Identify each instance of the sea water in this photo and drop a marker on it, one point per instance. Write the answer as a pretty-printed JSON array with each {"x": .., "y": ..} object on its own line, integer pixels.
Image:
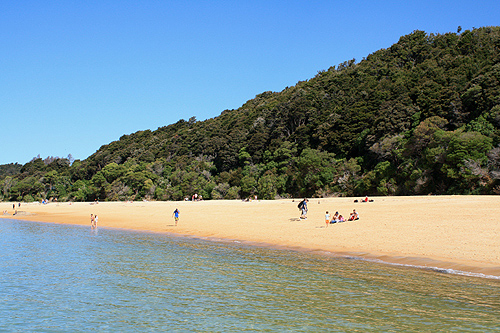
[{"x": 61, "y": 278}]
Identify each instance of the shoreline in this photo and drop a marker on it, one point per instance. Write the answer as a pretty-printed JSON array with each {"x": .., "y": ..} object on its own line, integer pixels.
[
  {"x": 414, "y": 262},
  {"x": 394, "y": 230}
]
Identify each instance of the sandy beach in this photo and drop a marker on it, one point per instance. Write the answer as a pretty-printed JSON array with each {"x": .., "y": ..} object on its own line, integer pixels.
[{"x": 451, "y": 232}]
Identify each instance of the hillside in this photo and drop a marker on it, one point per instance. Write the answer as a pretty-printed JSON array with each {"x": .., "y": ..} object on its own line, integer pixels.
[{"x": 420, "y": 117}]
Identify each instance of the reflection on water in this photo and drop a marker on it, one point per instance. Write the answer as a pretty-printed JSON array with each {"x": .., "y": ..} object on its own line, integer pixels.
[{"x": 65, "y": 278}]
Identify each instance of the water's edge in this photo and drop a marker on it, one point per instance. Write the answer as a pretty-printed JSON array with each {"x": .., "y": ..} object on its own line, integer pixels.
[{"x": 414, "y": 262}]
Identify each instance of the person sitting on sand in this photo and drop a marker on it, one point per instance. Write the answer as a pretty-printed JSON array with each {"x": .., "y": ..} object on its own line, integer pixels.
[
  {"x": 335, "y": 218},
  {"x": 354, "y": 216},
  {"x": 341, "y": 218}
]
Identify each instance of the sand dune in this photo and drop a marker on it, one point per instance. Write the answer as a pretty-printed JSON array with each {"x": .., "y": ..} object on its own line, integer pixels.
[{"x": 458, "y": 232}]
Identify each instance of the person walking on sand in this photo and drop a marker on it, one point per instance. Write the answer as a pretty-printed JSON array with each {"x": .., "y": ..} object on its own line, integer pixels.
[
  {"x": 303, "y": 208},
  {"x": 175, "y": 214},
  {"x": 327, "y": 219}
]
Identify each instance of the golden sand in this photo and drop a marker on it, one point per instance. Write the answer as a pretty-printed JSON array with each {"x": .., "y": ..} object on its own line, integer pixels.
[{"x": 458, "y": 232}]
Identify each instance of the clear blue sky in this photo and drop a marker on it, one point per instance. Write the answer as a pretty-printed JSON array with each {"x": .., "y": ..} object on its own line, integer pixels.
[{"x": 75, "y": 75}]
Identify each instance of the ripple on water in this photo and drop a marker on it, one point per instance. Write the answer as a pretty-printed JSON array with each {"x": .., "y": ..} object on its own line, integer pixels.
[{"x": 66, "y": 278}]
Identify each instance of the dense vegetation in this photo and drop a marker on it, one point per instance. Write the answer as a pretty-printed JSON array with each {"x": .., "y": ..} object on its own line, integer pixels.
[{"x": 420, "y": 117}]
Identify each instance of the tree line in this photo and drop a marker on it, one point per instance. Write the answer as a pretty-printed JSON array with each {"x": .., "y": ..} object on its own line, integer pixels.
[{"x": 420, "y": 117}]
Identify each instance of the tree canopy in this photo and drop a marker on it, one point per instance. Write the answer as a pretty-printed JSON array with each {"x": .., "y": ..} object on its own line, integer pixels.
[{"x": 420, "y": 117}]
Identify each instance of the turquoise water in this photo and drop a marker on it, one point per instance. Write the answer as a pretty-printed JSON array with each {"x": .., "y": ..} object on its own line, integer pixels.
[{"x": 60, "y": 278}]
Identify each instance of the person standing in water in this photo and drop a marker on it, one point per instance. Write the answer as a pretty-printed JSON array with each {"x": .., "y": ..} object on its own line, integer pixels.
[
  {"x": 175, "y": 214},
  {"x": 95, "y": 222},
  {"x": 91, "y": 221}
]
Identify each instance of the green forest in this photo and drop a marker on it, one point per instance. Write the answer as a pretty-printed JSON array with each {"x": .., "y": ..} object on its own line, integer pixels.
[{"x": 420, "y": 117}]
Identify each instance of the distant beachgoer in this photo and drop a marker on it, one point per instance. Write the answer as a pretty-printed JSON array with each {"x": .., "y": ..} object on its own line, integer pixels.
[
  {"x": 327, "y": 219},
  {"x": 175, "y": 214},
  {"x": 303, "y": 208},
  {"x": 95, "y": 221},
  {"x": 13, "y": 206},
  {"x": 91, "y": 221},
  {"x": 300, "y": 205},
  {"x": 341, "y": 218},
  {"x": 353, "y": 216},
  {"x": 335, "y": 218}
]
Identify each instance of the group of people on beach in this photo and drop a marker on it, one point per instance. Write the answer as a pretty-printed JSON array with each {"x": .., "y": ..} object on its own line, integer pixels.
[
  {"x": 337, "y": 218},
  {"x": 364, "y": 200},
  {"x": 93, "y": 221},
  {"x": 194, "y": 197}
]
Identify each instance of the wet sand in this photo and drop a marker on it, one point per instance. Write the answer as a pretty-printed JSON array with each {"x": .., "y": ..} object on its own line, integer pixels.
[{"x": 450, "y": 232}]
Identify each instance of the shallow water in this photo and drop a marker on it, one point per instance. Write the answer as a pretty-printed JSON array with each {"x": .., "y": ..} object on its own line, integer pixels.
[{"x": 67, "y": 278}]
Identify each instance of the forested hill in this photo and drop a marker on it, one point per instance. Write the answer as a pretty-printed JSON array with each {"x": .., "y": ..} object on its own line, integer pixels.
[{"x": 420, "y": 117}]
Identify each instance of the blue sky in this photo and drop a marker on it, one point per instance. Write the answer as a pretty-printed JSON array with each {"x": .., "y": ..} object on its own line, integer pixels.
[{"x": 75, "y": 75}]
